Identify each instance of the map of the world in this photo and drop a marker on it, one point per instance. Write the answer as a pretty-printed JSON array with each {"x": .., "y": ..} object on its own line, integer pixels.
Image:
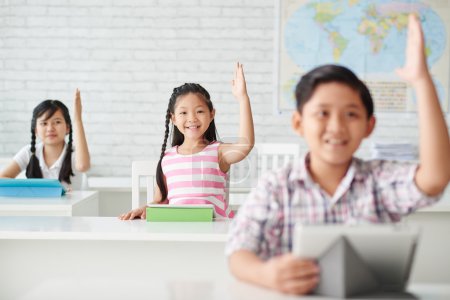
[{"x": 369, "y": 37}]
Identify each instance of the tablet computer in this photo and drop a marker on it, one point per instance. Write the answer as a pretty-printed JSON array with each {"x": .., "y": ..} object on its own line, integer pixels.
[{"x": 387, "y": 250}]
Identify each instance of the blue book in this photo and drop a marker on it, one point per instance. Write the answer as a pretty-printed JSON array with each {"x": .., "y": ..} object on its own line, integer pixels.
[{"x": 33, "y": 187}]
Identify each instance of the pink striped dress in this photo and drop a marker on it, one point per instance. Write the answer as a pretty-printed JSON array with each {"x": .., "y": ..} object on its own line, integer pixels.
[{"x": 196, "y": 179}]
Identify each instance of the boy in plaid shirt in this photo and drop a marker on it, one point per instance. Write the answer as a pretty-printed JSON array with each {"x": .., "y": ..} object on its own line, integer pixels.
[{"x": 334, "y": 114}]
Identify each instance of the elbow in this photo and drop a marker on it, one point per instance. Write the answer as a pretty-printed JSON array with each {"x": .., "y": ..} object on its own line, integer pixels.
[
  {"x": 436, "y": 188},
  {"x": 83, "y": 167},
  {"x": 249, "y": 146}
]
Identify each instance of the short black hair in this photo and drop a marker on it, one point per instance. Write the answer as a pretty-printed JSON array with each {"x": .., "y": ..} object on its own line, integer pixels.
[{"x": 331, "y": 73}]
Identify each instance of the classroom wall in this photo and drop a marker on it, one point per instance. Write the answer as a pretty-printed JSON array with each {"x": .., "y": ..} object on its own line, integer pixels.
[{"x": 127, "y": 56}]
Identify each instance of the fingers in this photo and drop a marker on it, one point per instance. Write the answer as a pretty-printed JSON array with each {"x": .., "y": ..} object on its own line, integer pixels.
[
  {"x": 301, "y": 277},
  {"x": 300, "y": 287},
  {"x": 135, "y": 213},
  {"x": 301, "y": 269},
  {"x": 125, "y": 216}
]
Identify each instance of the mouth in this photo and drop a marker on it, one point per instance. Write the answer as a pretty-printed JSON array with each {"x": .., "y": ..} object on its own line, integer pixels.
[
  {"x": 192, "y": 127},
  {"x": 336, "y": 142}
]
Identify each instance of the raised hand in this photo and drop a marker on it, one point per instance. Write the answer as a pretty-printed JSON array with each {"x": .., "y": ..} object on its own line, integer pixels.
[
  {"x": 238, "y": 85},
  {"x": 415, "y": 68},
  {"x": 77, "y": 108}
]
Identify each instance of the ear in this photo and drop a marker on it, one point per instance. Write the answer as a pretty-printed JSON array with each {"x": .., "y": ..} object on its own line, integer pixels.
[
  {"x": 297, "y": 122},
  {"x": 172, "y": 118},
  {"x": 213, "y": 114},
  {"x": 67, "y": 129},
  {"x": 370, "y": 126}
]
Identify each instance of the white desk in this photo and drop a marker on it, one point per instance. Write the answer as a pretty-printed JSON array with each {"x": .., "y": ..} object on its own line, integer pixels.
[
  {"x": 211, "y": 289},
  {"x": 78, "y": 257},
  {"x": 35, "y": 251},
  {"x": 75, "y": 203}
]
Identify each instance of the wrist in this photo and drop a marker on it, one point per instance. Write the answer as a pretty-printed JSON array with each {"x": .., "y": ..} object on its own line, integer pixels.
[
  {"x": 425, "y": 79},
  {"x": 243, "y": 98}
]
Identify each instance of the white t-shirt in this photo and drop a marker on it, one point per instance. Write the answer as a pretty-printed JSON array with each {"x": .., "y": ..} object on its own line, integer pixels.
[{"x": 22, "y": 158}]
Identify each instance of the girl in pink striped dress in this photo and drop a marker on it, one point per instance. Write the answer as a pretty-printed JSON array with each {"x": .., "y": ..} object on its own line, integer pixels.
[{"x": 194, "y": 170}]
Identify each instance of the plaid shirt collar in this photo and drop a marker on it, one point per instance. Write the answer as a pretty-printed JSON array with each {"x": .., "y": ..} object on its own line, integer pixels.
[{"x": 300, "y": 175}]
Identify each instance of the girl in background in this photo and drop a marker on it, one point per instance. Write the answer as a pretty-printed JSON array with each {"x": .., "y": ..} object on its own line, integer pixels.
[
  {"x": 194, "y": 170},
  {"x": 52, "y": 157}
]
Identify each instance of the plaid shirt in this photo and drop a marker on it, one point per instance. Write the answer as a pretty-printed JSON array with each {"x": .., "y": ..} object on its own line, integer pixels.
[{"x": 375, "y": 191}]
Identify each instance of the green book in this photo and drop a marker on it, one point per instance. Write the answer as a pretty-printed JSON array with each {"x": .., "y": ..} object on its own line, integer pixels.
[{"x": 180, "y": 213}]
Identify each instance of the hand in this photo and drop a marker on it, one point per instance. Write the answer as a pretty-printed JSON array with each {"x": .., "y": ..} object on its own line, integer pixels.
[
  {"x": 238, "y": 85},
  {"x": 291, "y": 275},
  {"x": 77, "y": 106},
  {"x": 415, "y": 68},
  {"x": 140, "y": 212}
]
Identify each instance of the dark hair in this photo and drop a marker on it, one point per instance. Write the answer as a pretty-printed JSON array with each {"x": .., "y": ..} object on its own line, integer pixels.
[
  {"x": 177, "y": 137},
  {"x": 331, "y": 73},
  {"x": 49, "y": 107}
]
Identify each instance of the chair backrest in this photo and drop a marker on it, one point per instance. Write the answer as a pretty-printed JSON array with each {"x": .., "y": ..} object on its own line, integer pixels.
[
  {"x": 264, "y": 157},
  {"x": 142, "y": 169},
  {"x": 274, "y": 156}
]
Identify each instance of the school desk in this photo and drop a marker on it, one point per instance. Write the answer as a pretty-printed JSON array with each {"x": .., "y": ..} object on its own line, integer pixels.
[
  {"x": 75, "y": 203},
  {"x": 189, "y": 289},
  {"x": 38, "y": 250}
]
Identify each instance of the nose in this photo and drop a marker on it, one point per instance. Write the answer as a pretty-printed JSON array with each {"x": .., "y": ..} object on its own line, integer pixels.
[
  {"x": 192, "y": 118},
  {"x": 336, "y": 123},
  {"x": 50, "y": 126}
]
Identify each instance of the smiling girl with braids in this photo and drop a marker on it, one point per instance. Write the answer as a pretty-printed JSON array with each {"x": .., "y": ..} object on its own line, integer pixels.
[
  {"x": 194, "y": 170},
  {"x": 52, "y": 157}
]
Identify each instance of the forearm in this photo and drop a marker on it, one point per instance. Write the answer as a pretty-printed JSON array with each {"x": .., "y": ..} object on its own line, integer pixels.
[
  {"x": 247, "y": 266},
  {"x": 434, "y": 146},
  {"x": 11, "y": 171},
  {"x": 82, "y": 157},
  {"x": 246, "y": 129}
]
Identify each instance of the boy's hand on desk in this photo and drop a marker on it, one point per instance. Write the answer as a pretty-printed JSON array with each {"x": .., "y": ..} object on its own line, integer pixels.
[
  {"x": 290, "y": 274},
  {"x": 138, "y": 213}
]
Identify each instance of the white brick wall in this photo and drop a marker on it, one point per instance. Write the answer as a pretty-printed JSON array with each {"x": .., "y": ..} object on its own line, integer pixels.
[{"x": 126, "y": 56}]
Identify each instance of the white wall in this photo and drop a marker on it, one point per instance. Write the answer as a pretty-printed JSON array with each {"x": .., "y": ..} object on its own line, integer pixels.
[{"x": 126, "y": 57}]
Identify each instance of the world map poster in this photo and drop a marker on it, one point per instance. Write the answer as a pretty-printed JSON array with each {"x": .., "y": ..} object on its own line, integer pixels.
[{"x": 369, "y": 37}]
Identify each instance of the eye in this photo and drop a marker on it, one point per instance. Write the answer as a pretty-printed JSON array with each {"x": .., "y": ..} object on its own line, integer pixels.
[
  {"x": 352, "y": 114},
  {"x": 182, "y": 113},
  {"x": 322, "y": 113},
  {"x": 200, "y": 111}
]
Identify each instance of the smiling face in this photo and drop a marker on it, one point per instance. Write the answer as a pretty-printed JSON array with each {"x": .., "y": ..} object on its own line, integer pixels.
[
  {"x": 192, "y": 116},
  {"x": 52, "y": 130},
  {"x": 333, "y": 122}
]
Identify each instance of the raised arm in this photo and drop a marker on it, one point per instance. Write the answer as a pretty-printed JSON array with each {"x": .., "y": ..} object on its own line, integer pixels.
[
  {"x": 82, "y": 157},
  {"x": 433, "y": 173},
  {"x": 234, "y": 152}
]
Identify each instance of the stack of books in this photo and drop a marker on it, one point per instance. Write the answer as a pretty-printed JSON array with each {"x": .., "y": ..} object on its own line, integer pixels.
[
  {"x": 401, "y": 151},
  {"x": 33, "y": 187}
]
